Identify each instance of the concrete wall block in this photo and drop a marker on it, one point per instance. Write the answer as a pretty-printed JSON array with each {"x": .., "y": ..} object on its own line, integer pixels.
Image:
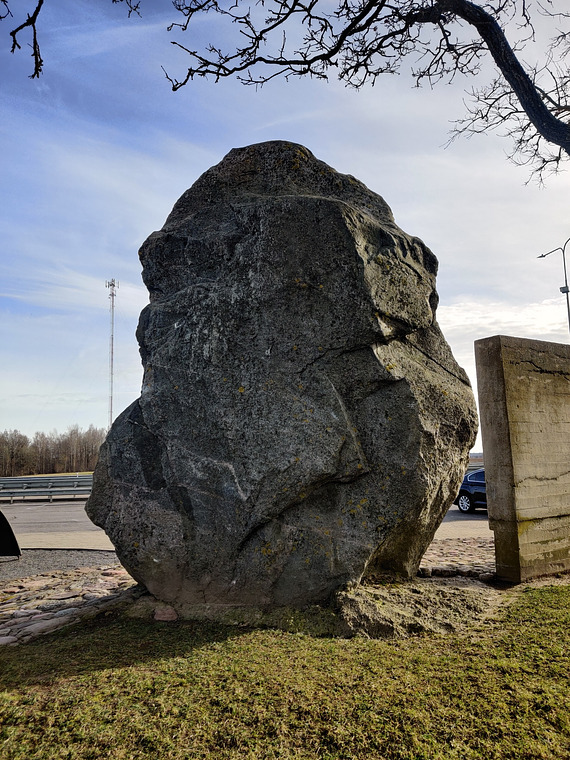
[{"x": 524, "y": 404}]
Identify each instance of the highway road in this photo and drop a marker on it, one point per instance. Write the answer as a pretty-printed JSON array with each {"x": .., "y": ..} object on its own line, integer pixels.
[
  {"x": 64, "y": 525},
  {"x": 56, "y": 525},
  {"x": 458, "y": 525}
]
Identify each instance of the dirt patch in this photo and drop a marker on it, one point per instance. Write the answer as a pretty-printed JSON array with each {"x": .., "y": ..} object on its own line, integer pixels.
[{"x": 426, "y": 605}]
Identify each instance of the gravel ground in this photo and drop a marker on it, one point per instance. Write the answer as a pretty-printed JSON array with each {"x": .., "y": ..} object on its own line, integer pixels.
[
  {"x": 38, "y": 561},
  {"x": 445, "y": 557},
  {"x": 465, "y": 556}
]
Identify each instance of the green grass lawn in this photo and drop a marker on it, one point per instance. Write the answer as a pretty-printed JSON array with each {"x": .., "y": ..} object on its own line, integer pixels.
[{"x": 120, "y": 688}]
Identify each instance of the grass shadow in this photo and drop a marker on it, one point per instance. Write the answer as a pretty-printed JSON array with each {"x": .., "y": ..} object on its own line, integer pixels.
[{"x": 108, "y": 641}]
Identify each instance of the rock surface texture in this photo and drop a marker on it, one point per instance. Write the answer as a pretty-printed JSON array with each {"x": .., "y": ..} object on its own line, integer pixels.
[{"x": 302, "y": 422}]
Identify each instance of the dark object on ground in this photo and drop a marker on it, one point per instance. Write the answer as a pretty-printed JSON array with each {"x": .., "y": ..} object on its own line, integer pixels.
[
  {"x": 473, "y": 492},
  {"x": 302, "y": 421},
  {"x": 8, "y": 543}
]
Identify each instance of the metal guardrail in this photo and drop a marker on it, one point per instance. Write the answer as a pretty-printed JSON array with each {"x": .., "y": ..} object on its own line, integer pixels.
[{"x": 45, "y": 487}]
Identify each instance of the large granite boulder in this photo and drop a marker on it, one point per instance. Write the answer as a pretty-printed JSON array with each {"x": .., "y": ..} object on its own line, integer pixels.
[{"x": 302, "y": 421}]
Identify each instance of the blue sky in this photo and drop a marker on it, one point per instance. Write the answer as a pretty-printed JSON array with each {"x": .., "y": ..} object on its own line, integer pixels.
[{"x": 97, "y": 151}]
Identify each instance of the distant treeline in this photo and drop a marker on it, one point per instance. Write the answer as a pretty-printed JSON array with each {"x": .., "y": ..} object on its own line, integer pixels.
[{"x": 75, "y": 450}]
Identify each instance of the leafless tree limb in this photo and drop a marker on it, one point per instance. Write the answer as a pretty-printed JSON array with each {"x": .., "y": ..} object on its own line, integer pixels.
[
  {"x": 30, "y": 22},
  {"x": 360, "y": 40}
]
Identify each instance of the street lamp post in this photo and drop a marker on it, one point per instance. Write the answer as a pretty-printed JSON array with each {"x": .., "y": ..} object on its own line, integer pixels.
[{"x": 564, "y": 289}]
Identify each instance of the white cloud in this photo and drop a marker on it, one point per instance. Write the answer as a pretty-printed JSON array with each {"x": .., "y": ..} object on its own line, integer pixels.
[
  {"x": 62, "y": 289},
  {"x": 464, "y": 322},
  {"x": 56, "y": 368}
]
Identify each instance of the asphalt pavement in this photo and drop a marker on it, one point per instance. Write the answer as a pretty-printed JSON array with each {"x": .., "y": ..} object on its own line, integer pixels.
[
  {"x": 58, "y": 524},
  {"x": 458, "y": 525},
  {"x": 65, "y": 525}
]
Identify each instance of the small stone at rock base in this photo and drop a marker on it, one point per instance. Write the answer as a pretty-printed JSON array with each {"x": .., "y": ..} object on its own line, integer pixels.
[
  {"x": 64, "y": 595},
  {"x": 31, "y": 584},
  {"x": 24, "y": 613},
  {"x": 66, "y": 611},
  {"x": 165, "y": 614},
  {"x": 42, "y": 626},
  {"x": 8, "y": 640},
  {"x": 442, "y": 571},
  {"x": 486, "y": 577}
]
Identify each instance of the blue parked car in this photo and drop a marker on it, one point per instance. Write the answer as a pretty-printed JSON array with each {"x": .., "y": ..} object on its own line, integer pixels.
[{"x": 473, "y": 492}]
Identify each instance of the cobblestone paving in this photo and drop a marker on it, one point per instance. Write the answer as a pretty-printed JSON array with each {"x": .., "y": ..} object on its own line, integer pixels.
[
  {"x": 33, "y": 606},
  {"x": 468, "y": 557}
]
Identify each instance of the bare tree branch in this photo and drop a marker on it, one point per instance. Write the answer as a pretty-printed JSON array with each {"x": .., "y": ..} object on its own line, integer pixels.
[
  {"x": 30, "y": 22},
  {"x": 360, "y": 40},
  {"x": 5, "y": 11}
]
